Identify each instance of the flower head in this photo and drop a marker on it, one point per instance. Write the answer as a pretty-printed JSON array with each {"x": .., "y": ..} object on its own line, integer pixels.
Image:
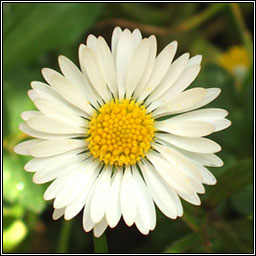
[{"x": 122, "y": 134}]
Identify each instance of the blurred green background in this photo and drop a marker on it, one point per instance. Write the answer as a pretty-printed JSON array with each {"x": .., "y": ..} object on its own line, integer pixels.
[{"x": 34, "y": 34}]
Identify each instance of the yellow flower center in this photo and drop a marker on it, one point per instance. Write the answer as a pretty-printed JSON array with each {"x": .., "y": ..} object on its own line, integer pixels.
[{"x": 120, "y": 133}]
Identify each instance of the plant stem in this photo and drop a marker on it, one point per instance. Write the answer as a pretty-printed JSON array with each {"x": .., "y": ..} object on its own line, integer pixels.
[
  {"x": 64, "y": 237},
  {"x": 200, "y": 18},
  {"x": 100, "y": 244},
  {"x": 241, "y": 28},
  {"x": 192, "y": 23}
]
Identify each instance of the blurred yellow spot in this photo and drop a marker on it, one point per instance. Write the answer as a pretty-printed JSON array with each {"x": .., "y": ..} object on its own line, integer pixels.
[
  {"x": 14, "y": 234},
  {"x": 235, "y": 60},
  {"x": 120, "y": 133}
]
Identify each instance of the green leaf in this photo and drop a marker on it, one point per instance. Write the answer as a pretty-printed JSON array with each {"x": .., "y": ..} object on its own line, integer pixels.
[
  {"x": 13, "y": 13},
  {"x": 186, "y": 244},
  {"x": 46, "y": 27},
  {"x": 209, "y": 51},
  {"x": 15, "y": 211},
  {"x": 231, "y": 236},
  {"x": 232, "y": 181},
  {"x": 18, "y": 186},
  {"x": 17, "y": 102},
  {"x": 151, "y": 13},
  {"x": 243, "y": 201}
]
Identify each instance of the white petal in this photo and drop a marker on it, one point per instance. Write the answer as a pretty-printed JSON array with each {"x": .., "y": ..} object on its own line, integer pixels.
[
  {"x": 213, "y": 116},
  {"x": 198, "y": 186},
  {"x": 46, "y": 92},
  {"x": 81, "y": 60},
  {"x": 91, "y": 42},
  {"x": 75, "y": 207},
  {"x": 184, "y": 80},
  {"x": 72, "y": 93},
  {"x": 212, "y": 94},
  {"x": 100, "y": 227},
  {"x": 55, "y": 147},
  {"x": 173, "y": 73},
  {"x": 73, "y": 74},
  {"x": 137, "y": 67},
  {"x": 107, "y": 65},
  {"x": 164, "y": 196},
  {"x": 175, "y": 178},
  {"x": 93, "y": 94},
  {"x": 202, "y": 115},
  {"x": 195, "y": 60},
  {"x": 56, "y": 185},
  {"x": 61, "y": 182},
  {"x": 37, "y": 164},
  {"x": 180, "y": 162},
  {"x": 114, "y": 40},
  {"x": 88, "y": 225},
  {"x": 41, "y": 135},
  {"x": 149, "y": 66},
  {"x": 128, "y": 198},
  {"x": 47, "y": 173},
  {"x": 57, "y": 112},
  {"x": 48, "y": 74},
  {"x": 72, "y": 189},
  {"x": 191, "y": 198},
  {"x": 198, "y": 145},
  {"x": 62, "y": 95},
  {"x": 208, "y": 177},
  {"x": 28, "y": 114},
  {"x": 158, "y": 192},
  {"x": 38, "y": 86},
  {"x": 100, "y": 195},
  {"x": 113, "y": 208},
  {"x": 50, "y": 174},
  {"x": 32, "y": 95},
  {"x": 221, "y": 124},
  {"x": 204, "y": 159},
  {"x": 58, "y": 213},
  {"x": 137, "y": 37},
  {"x": 180, "y": 103},
  {"x": 48, "y": 125},
  {"x": 94, "y": 73},
  {"x": 145, "y": 205},
  {"x": 185, "y": 128},
  {"x": 140, "y": 224},
  {"x": 124, "y": 56},
  {"x": 24, "y": 147},
  {"x": 161, "y": 67}
]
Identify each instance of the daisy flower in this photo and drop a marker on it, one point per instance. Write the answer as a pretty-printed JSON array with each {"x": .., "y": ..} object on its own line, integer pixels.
[{"x": 122, "y": 135}]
